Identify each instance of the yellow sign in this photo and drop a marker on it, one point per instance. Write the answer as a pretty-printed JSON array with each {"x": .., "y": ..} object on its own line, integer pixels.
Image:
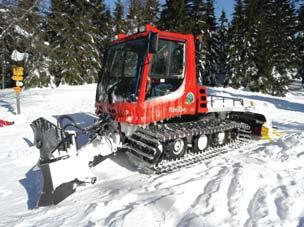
[
  {"x": 17, "y": 89},
  {"x": 17, "y": 71},
  {"x": 17, "y": 77}
]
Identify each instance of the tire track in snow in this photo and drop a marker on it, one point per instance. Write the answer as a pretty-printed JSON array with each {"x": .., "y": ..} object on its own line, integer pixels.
[
  {"x": 126, "y": 210},
  {"x": 289, "y": 196},
  {"x": 131, "y": 200},
  {"x": 204, "y": 204},
  {"x": 213, "y": 186},
  {"x": 234, "y": 194},
  {"x": 116, "y": 218},
  {"x": 257, "y": 208},
  {"x": 278, "y": 201},
  {"x": 244, "y": 183},
  {"x": 281, "y": 202}
]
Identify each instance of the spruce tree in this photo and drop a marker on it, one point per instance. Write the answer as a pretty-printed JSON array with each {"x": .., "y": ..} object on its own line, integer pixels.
[
  {"x": 283, "y": 49},
  {"x": 135, "y": 15},
  {"x": 300, "y": 44},
  {"x": 104, "y": 25},
  {"x": 236, "y": 56},
  {"x": 6, "y": 45},
  {"x": 77, "y": 31},
  {"x": 27, "y": 4},
  {"x": 174, "y": 16},
  {"x": 210, "y": 37},
  {"x": 31, "y": 34},
  {"x": 196, "y": 12},
  {"x": 222, "y": 67},
  {"x": 151, "y": 11},
  {"x": 118, "y": 18},
  {"x": 254, "y": 40},
  {"x": 261, "y": 47}
]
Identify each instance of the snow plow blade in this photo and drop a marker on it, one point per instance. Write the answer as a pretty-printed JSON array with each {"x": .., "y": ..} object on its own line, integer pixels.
[
  {"x": 48, "y": 138},
  {"x": 61, "y": 167},
  {"x": 51, "y": 196},
  {"x": 270, "y": 134}
]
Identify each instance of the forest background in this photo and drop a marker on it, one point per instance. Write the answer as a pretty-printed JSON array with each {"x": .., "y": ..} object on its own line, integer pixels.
[{"x": 261, "y": 47}]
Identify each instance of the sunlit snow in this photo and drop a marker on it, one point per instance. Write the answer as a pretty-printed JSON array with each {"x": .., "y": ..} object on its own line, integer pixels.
[
  {"x": 262, "y": 185},
  {"x": 18, "y": 56}
]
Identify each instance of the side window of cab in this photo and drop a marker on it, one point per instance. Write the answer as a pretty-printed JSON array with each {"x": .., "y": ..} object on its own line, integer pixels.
[{"x": 167, "y": 69}]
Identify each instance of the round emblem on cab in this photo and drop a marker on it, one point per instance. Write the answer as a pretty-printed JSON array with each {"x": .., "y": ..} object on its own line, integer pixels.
[{"x": 190, "y": 98}]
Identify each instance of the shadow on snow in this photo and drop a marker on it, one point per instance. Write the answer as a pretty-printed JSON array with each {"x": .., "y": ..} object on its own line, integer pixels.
[
  {"x": 33, "y": 182},
  {"x": 8, "y": 106},
  {"x": 301, "y": 222}
]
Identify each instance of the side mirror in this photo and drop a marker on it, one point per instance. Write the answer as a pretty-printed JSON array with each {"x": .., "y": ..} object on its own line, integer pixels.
[{"x": 153, "y": 42}]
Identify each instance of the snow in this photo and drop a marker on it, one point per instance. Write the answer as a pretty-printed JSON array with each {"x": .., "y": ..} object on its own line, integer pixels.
[
  {"x": 4, "y": 10},
  {"x": 262, "y": 185},
  {"x": 18, "y": 56},
  {"x": 21, "y": 31}
]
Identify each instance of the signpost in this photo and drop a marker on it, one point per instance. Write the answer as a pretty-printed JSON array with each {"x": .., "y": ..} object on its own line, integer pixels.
[{"x": 18, "y": 77}]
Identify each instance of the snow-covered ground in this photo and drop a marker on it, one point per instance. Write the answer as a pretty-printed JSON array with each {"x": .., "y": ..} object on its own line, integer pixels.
[{"x": 262, "y": 185}]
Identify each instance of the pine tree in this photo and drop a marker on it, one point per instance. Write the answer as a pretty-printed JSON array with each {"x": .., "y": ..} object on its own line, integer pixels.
[
  {"x": 135, "y": 15},
  {"x": 261, "y": 47},
  {"x": 236, "y": 56},
  {"x": 300, "y": 44},
  {"x": 223, "y": 48},
  {"x": 77, "y": 31},
  {"x": 27, "y": 4},
  {"x": 283, "y": 49},
  {"x": 251, "y": 21},
  {"x": 102, "y": 30},
  {"x": 260, "y": 57},
  {"x": 151, "y": 11},
  {"x": 118, "y": 17},
  {"x": 202, "y": 23},
  {"x": 196, "y": 12},
  {"x": 36, "y": 64},
  {"x": 211, "y": 41},
  {"x": 174, "y": 16},
  {"x": 6, "y": 45}
]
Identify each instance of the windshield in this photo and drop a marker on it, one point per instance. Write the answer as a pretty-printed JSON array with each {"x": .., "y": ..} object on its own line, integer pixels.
[{"x": 122, "y": 70}]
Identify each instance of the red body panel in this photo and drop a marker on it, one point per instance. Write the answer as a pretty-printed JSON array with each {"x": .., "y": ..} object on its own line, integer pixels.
[{"x": 189, "y": 99}]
